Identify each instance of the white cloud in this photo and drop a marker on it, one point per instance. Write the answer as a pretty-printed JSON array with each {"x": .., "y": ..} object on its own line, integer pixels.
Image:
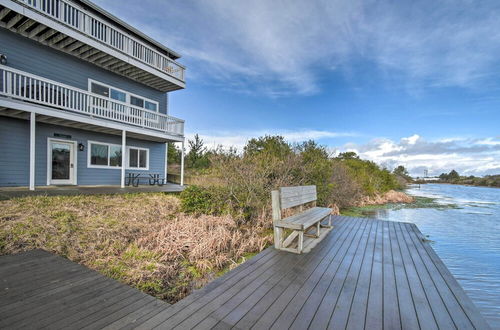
[
  {"x": 286, "y": 46},
  {"x": 467, "y": 156},
  {"x": 239, "y": 139}
]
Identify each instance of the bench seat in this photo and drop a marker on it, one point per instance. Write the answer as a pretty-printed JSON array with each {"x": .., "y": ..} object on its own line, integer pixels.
[{"x": 305, "y": 219}]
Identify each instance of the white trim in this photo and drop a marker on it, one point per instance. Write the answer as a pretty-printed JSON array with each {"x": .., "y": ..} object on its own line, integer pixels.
[
  {"x": 182, "y": 163},
  {"x": 89, "y": 155},
  {"x": 127, "y": 95},
  {"x": 127, "y": 148},
  {"x": 73, "y": 177},
  {"x": 32, "y": 150},
  {"x": 165, "y": 170},
  {"x": 138, "y": 168},
  {"x": 63, "y": 114},
  {"x": 124, "y": 154}
]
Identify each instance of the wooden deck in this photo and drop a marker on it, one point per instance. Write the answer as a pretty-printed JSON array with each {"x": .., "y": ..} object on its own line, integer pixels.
[{"x": 367, "y": 274}]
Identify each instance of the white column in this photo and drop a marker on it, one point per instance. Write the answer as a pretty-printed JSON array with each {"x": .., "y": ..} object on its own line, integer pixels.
[
  {"x": 32, "y": 150},
  {"x": 182, "y": 163},
  {"x": 166, "y": 162},
  {"x": 124, "y": 153}
]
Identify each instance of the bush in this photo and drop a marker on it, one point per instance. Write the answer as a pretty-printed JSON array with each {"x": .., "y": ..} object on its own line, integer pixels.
[
  {"x": 243, "y": 182},
  {"x": 203, "y": 200}
]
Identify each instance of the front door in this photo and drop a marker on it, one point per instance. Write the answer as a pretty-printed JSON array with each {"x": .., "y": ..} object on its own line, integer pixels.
[{"x": 62, "y": 162}]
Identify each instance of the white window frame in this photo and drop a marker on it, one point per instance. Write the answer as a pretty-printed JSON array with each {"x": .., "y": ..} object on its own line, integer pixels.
[
  {"x": 89, "y": 155},
  {"x": 137, "y": 168},
  {"x": 127, "y": 156},
  {"x": 127, "y": 95}
]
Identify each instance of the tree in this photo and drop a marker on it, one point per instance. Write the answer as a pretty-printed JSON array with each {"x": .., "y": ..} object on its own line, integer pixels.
[
  {"x": 348, "y": 155},
  {"x": 196, "y": 157},
  {"x": 401, "y": 171},
  {"x": 453, "y": 175},
  {"x": 270, "y": 145},
  {"x": 174, "y": 154}
]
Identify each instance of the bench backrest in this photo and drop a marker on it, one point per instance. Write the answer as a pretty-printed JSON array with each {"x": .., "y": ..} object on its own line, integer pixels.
[{"x": 287, "y": 197}]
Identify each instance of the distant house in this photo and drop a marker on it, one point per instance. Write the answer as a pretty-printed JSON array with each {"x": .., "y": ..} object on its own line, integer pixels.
[{"x": 83, "y": 96}]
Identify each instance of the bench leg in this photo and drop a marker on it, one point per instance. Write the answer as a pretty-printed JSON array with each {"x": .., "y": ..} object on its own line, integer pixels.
[
  {"x": 278, "y": 237},
  {"x": 300, "y": 244},
  {"x": 318, "y": 229}
]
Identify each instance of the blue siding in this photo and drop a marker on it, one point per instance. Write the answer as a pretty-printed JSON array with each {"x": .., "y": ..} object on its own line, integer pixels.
[
  {"x": 14, "y": 154},
  {"x": 30, "y": 56}
]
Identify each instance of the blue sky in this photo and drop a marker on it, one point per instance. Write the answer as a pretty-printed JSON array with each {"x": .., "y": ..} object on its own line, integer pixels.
[{"x": 399, "y": 82}]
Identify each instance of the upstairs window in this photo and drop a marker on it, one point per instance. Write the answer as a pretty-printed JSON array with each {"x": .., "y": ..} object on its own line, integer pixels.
[{"x": 122, "y": 96}]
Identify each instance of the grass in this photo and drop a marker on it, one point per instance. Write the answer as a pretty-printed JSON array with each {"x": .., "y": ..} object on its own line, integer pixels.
[
  {"x": 139, "y": 239},
  {"x": 419, "y": 202}
]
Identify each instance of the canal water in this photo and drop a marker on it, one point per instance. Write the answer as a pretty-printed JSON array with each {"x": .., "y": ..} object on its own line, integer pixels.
[{"x": 464, "y": 225}]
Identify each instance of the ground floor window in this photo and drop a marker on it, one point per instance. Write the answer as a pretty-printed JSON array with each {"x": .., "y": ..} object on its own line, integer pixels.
[
  {"x": 138, "y": 158},
  {"x": 107, "y": 155}
]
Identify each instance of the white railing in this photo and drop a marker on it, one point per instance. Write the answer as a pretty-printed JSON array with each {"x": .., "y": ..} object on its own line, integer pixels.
[
  {"x": 28, "y": 87},
  {"x": 92, "y": 26}
]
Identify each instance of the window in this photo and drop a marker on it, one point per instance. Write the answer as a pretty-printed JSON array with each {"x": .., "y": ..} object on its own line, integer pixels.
[
  {"x": 107, "y": 155},
  {"x": 150, "y": 106},
  {"x": 137, "y": 101},
  {"x": 138, "y": 158},
  {"x": 104, "y": 155},
  {"x": 99, "y": 154},
  {"x": 122, "y": 96}
]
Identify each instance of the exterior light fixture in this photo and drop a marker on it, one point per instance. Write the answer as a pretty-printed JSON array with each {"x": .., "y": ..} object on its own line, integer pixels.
[
  {"x": 3, "y": 59},
  {"x": 81, "y": 146}
]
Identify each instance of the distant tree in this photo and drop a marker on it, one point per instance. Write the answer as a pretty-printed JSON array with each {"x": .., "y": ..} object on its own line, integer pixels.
[
  {"x": 271, "y": 145},
  {"x": 453, "y": 175},
  {"x": 348, "y": 155},
  {"x": 196, "y": 157},
  {"x": 401, "y": 171},
  {"x": 174, "y": 154},
  {"x": 443, "y": 177}
]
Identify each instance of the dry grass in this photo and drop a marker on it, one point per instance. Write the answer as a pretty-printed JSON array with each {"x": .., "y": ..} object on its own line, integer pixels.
[{"x": 140, "y": 239}]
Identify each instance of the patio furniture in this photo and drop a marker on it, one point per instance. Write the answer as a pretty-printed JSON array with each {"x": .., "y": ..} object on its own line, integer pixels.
[
  {"x": 153, "y": 179},
  {"x": 306, "y": 224}
]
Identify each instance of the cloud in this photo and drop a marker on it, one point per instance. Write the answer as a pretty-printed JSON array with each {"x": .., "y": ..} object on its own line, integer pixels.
[
  {"x": 285, "y": 47},
  {"x": 239, "y": 139},
  {"x": 467, "y": 156}
]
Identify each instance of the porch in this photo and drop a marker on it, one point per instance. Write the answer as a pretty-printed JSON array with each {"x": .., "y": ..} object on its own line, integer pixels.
[{"x": 15, "y": 192}]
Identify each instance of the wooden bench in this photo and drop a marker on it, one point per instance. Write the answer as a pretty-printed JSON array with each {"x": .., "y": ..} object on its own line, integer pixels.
[{"x": 306, "y": 227}]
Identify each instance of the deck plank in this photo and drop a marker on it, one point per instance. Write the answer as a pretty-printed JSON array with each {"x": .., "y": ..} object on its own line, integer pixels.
[
  {"x": 279, "y": 292},
  {"x": 366, "y": 274},
  {"x": 255, "y": 305}
]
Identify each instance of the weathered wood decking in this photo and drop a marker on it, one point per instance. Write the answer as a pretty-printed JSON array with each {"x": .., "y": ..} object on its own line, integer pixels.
[{"x": 366, "y": 274}]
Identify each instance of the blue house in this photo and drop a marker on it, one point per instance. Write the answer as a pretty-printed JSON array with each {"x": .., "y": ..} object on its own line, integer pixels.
[{"x": 83, "y": 96}]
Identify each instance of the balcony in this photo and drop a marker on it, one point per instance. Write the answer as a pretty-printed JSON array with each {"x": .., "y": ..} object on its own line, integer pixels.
[
  {"x": 26, "y": 87},
  {"x": 64, "y": 25}
]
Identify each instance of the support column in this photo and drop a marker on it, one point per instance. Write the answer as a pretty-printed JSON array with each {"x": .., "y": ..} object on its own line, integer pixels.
[
  {"x": 166, "y": 162},
  {"x": 124, "y": 154},
  {"x": 182, "y": 163},
  {"x": 32, "y": 150}
]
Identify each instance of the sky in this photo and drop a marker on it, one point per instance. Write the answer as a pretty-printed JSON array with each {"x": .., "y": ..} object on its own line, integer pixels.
[{"x": 413, "y": 83}]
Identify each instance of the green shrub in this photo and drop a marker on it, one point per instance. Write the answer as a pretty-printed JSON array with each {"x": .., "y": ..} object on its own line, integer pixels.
[{"x": 203, "y": 200}]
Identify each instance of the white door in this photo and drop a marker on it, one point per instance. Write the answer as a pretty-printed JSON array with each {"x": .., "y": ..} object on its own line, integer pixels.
[{"x": 62, "y": 164}]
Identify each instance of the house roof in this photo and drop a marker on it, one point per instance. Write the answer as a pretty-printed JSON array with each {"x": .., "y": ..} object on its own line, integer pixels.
[{"x": 130, "y": 28}]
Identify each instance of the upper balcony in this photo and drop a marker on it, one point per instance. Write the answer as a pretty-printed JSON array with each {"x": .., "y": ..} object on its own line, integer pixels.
[
  {"x": 63, "y": 104},
  {"x": 80, "y": 30}
]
